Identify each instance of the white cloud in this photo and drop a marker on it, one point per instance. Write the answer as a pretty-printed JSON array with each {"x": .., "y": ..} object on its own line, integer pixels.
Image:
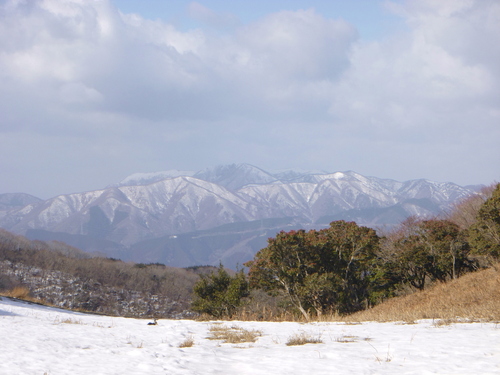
[
  {"x": 77, "y": 92},
  {"x": 135, "y": 64},
  {"x": 293, "y": 88},
  {"x": 207, "y": 16},
  {"x": 414, "y": 78}
]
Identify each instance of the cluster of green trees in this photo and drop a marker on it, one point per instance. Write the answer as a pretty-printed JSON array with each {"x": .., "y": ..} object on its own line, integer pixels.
[
  {"x": 219, "y": 294},
  {"x": 346, "y": 267}
]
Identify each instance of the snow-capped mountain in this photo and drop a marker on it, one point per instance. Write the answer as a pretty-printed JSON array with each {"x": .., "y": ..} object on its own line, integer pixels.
[
  {"x": 149, "y": 178},
  {"x": 12, "y": 200},
  {"x": 149, "y": 207},
  {"x": 15, "y": 201},
  {"x": 236, "y": 176}
]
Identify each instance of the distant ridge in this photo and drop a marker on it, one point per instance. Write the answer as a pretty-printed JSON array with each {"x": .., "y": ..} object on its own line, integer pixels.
[
  {"x": 12, "y": 200},
  {"x": 149, "y": 208},
  {"x": 149, "y": 178}
]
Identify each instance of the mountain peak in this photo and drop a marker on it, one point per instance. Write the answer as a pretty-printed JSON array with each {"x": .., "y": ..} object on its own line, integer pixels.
[
  {"x": 151, "y": 177},
  {"x": 235, "y": 176}
]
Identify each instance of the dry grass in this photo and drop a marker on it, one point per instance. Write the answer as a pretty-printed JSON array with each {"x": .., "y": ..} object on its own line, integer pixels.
[
  {"x": 23, "y": 293},
  {"x": 19, "y": 292},
  {"x": 302, "y": 339},
  {"x": 473, "y": 297},
  {"x": 233, "y": 334},
  {"x": 348, "y": 339},
  {"x": 187, "y": 343},
  {"x": 70, "y": 321},
  {"x": 262, "y": 315},
  {"x": 266, "y": 315}
]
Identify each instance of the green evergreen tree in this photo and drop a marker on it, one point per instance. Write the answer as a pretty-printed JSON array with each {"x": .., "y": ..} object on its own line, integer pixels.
[
  {"x": 326, "y": 270},
  {"x": 484, "y": 235},
  {"x": 219, "y": 294},
  {"x": 428, "y": 250}
]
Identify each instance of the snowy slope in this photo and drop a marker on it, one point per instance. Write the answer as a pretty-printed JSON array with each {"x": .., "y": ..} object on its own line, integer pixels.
[{"x": 38, "y": 340}]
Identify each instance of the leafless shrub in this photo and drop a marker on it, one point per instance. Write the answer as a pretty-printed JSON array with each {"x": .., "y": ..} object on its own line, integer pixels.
[{"x": 102, "y": 285}]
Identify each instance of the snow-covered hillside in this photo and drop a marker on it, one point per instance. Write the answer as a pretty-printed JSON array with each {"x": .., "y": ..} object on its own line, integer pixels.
[{"x": 41, "y": 340}]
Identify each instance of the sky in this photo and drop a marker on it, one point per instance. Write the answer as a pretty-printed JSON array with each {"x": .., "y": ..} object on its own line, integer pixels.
[{"x": 92, "y": 91}]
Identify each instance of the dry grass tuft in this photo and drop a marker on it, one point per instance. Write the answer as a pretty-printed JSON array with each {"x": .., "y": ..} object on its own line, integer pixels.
[
  {"x": 233, "y": 334},
  {"x": 302, "y": 339},
  {"x": 450, "y": 321},
  {"x": 187, "y": 343},
  {"x": 348, "y": 339},
  {"x": 19, "y": 292},
  {"x": 472, "y": 297},
  {"x": 71, "y": 321}
]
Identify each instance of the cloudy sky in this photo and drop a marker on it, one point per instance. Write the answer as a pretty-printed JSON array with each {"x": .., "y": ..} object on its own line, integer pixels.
[{"x": 92, "y": 91}]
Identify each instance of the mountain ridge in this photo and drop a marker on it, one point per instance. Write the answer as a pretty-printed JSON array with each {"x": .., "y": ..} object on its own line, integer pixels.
[{"x": 144, "y": 210}]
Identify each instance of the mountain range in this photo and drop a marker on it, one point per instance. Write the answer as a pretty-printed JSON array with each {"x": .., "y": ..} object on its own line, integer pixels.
[{"x": 221, "y": 214}]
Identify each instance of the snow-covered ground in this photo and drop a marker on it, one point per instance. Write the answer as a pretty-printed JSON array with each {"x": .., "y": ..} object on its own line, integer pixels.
[{"x": 41, "y": 340}]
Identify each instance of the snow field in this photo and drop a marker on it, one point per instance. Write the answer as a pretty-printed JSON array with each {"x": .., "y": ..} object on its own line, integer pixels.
[{"x": 42, "y": 340}]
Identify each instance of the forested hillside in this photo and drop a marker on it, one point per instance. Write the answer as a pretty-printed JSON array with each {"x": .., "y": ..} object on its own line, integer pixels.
[{"x": 57, "y": 274}]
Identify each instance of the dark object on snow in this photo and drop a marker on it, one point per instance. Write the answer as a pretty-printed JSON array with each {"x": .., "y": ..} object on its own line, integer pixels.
[{"x": 153, "y": 323}]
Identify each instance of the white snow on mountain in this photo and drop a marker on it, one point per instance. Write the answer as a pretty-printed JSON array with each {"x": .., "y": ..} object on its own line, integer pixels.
[
  {"x": 226, "y": 194},
  {"x": 148, "y": 178},
  {"x": 236, "y": 176},
  {"x": 42, "y": 340}
]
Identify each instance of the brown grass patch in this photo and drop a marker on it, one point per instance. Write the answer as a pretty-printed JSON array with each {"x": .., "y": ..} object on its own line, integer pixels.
[
  {"x": 302, "y": 339},
  {"x": 187, "y": 343},
  {"x": 473, "y": 297},
  {"x": 233, "y": 334},
  {"x": 23, "y": 293},
  {"x": 19, "y": 292}
]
